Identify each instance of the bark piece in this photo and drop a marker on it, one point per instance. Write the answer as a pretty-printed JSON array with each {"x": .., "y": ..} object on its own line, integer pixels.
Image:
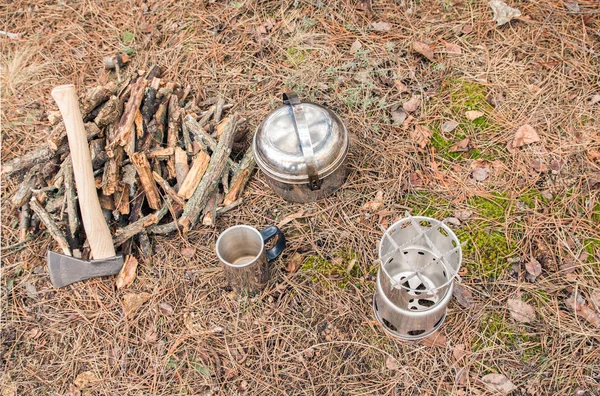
[
  {"x": 168, "y": 189},
  {"x": 142, "y": 166},
  {"x": 210, "y": 209},
  {"x": 128, "y": 272},
  {"x": 23, "y": 193},
  {"x": 181, "y": 165},
  {"x": 172, "y": 132},
  {"x": 219, "y": 110},
  {"x": 161, "y": 153},
  {"x": 24, "y": 222},
  {"x": 210, "y": 181},
  {"x": 191, "y": 181},
  {"x": 122, "y": 199},
  {"x": 94, "y": 97},
  {"x": 148, "y": 105},
  {"x": 128, "y": 117},
  {"x": 51, "y": 226},
  {"x": 73, "y": 222},
  {"x": 145, "y": 246},
  {"x": 110, "y": 112},
  {"x": 110, "y": 178},
  {"x": 99, "y": 156},
  {"x": 106, "y": 202},
  {"x": 241, "y": 177}
]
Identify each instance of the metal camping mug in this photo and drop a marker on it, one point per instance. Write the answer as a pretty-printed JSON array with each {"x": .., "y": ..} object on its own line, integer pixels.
[{"x": 241, "y": 250}]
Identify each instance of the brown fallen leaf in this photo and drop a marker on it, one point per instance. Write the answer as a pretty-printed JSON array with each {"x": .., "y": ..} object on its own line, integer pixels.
[
  {"x": 188, "y": 252},
  {"x": 459, "y": 352},
  {"x": 472, "y": 115},
  {"x": 423, "y": 49},
  {"x": 84, "y": 379},
  {"x": 468, "y": 28},
  {"x": 420, "y": 135},
  {"x": 462, "y": 214},
  {"x": 356, "y": 45},
  {"x": 463, "y": 296},
  {"x": 437, "y": 340},
  {"x": 449, "y": 126},
  {"x": 461, "y": 146},
  {"x": 577, "y": 304},
  {"x": 521, "y": 311},
  {"x": 133, "y": 301},
  {"x": 374, "y": 205},
  {"x": 595, "y": 298},
  {"x": 381, "y": 26},
  {"x": 415, "y": 179},
  {"x": 502, "y": 12},
  {"x": 128, "y": 272},
  {"x": 407, "y": 122},
  {"x": 524, "y": 135},
  {"x": 412, "y": 104},
  {"x": 289, "y": 218},
  {"x": 391, "y": 363},
  {"x": 400, "y": 86},
  {"x": 538, "y": 165},
  {"x": 294, "y": 263},
  {"x": 594, "y": 99},
  {"x": 480, "y": 174},
  {"x": 453, "y": 49},
  {"x": 498, "y": 383},
  {"x": 165, "y": 308},
  {"x": 398, "y": 116},
  {"x": 534, "y": 269}
]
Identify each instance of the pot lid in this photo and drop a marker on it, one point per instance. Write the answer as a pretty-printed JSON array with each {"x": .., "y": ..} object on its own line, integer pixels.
[{"x": 300, "y": 142}]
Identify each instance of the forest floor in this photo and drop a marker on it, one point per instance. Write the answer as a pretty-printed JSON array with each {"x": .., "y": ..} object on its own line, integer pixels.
[{"x": 504, "y": 143}]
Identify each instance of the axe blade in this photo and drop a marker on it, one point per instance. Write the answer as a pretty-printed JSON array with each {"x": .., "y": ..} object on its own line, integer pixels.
[{"x": 65, "y": 270}]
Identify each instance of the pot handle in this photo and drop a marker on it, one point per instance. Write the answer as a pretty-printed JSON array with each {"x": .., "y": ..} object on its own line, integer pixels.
[{"x": 301, "y": 127}]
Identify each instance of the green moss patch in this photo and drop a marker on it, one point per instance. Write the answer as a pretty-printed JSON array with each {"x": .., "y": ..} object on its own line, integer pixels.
[{"x": 336, "y": 271}]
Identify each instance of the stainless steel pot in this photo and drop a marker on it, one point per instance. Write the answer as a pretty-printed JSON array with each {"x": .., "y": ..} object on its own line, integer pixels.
[{"x": 302, "y": 148}]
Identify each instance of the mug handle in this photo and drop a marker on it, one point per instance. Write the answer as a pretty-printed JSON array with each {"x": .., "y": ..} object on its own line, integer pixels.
[{"x": 270, "y": 233}]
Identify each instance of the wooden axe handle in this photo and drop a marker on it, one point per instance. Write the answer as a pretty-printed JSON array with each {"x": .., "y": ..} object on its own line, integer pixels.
[{"x": 96, "y": 230}]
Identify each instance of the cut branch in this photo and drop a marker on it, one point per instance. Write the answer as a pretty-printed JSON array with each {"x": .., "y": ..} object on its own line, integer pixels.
[
  {"x": 128, "y": 117},
  {"x": 51, "y": 226},
  {"x": 241, "y": 177},
  {"x": 123, "y": 234},
  {"x": 168, "y": 189},
  {"x": 210, "y": 181},
  {"x": 142, "y": 166},
  {"x": 191, "y": 181}
]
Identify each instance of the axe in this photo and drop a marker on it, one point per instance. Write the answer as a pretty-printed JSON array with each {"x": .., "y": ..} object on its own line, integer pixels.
[{"x": 65, "y": 270}]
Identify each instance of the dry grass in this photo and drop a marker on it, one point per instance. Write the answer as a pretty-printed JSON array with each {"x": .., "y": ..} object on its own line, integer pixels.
[{"x": 309, "y": 332}]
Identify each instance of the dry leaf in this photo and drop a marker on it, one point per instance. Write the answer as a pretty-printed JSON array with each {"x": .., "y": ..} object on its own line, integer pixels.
[
  {"x": 577, "y": 304},
  {"x": 356, "y": 45},
  {"x": 449, "y": 126},
  {"x": 128, "y": 272},
  {"x": 453, "y": 49},
  {"x": 400, "y": 86},
  {"x": 188, "y": 252},
  {"x": 423, "y": 49},
  {"x": 436, "y": 339},
  {"x": 572, "y": 6},
  {"x": 150, "y": 336},
  {"x": 502, "y": 12},
  {"x": 595, "y": 298},
  {"x": 392, "y": 363},
  {"x": 463, "y": 296},
  {"x": 294, "y": 263},
  {"x": 594, "y": 99},
  {"x": 451, "y": 220},
  {"x": 480, "y": 174},
  {"x": 289, "y": 218},
  {"x": 165, "y": 308},
  {"x": 459, "y": 352},
  {"x": 407, "y": 122},
  {"x": 461, "y": 146},
  {"x": 415, "y": 180},
  {"x": 524, "y": 135},
  {"x": 462, "y": 214},
  {"x": 539, "y": 166},
  {"x": 412, "y": 104},
  {"x": 84, "y": 379},
  {"x": 472, "y": 115},
  {"x": 420, "y": 135},
  {"x": 498, "y": 383},
  {"x": 534, "y": 268},
  {"x": 468, "y": 28},
  {"x": 374, "y": 205},
  {"x": 133, "y": 301},
  {"x": 381, "y": 26},
  {"x": 521, "y": 311},
  {"x": 398, "y": 116}
]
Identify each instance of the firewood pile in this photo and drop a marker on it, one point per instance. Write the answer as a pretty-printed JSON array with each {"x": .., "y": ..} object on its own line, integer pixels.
[{"x": 163, "y": 160}]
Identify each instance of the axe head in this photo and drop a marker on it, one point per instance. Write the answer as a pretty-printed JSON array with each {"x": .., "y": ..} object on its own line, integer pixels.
[{"x": 65, "y": 270}]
